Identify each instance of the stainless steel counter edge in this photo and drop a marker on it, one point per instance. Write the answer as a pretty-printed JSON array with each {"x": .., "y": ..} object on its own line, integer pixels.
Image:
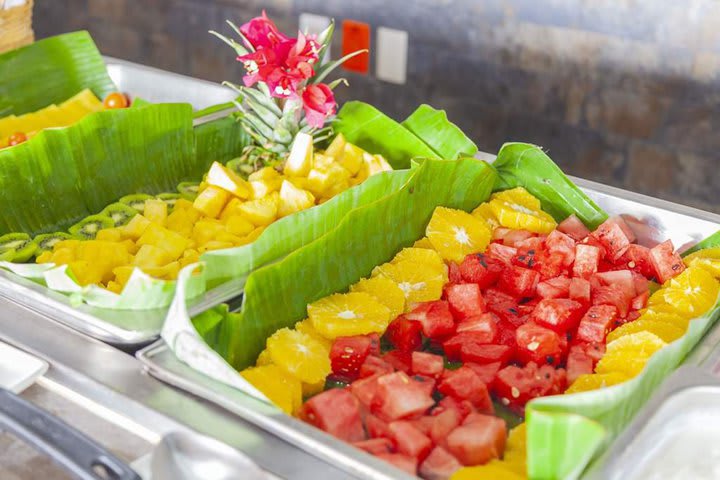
[{"x": 112, "y": 384}]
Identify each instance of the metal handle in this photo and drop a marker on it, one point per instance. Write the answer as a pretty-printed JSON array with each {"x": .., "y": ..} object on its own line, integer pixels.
[{"x": 74, "y": 451}]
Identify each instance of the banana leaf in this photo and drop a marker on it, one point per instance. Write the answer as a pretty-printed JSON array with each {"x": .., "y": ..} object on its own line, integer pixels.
[
  {"x": 526, "y": 165},
  {"x": 220, "y": 140},
  {"x": 710, "y": 242},
  {"x": 375, "y": 132},
  {"x": 51, "y": 71},
  {"x": 444, "y": 137}
]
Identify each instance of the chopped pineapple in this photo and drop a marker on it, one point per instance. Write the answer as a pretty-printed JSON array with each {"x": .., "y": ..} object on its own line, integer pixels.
[
  {"x": 238, "y": 225},
  {"x": 301, "y": 156},
  {"x": 222, "y": 177},
  {"x": 211, "y": 201},
  {"x": 261, "y": 212},
  {"x": 156, "y": 211},
  {"x": 293, "y": 199},
  {"x": 135, "y": 228}
]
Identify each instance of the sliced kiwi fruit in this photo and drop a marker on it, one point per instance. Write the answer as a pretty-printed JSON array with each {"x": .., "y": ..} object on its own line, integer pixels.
[
  {"x": 136, "y": 201},
  {"x": 47, "y": 241},
  {"x": 188, "y": 190},
  {"x": 240, "y": 166},
  {"x": 88, "y": 227},
  {"x": 120, "y": 213},
  {"x": 170, "y": 199},
  {"x": 17, "y": 247}
]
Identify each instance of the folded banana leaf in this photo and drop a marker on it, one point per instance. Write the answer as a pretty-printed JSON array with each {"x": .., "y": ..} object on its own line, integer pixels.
[
  {"x": 710, "y": 242},
  {"x": 443, "y": 136},
  {"x": 51, "y": 71}
]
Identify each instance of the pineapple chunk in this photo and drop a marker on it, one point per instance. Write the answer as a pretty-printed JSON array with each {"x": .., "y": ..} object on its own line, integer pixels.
[
  {"x": 206, "y": 230},
  {"x": 166, "y": 272},
  {"x": 301, "y": 156},
  {"x": 44, "y": 257},
  {"x": 215, "y": 245},
  {"x": 321, "y": 161},
  {"x": 293, "y": 199},
  {"x": 70, "y": 244},
  {"x": 231, "y": 209},
  {"x": 182, "y": 204},
  {"x": 222, "y": 177},
  {"x": 352, "y": 158},
  {"x": 376, "y": 164},
  {"x": 320, "y": 180},
  {"x": 85, "y": 273},
  {"x": 136, "y": 227},
  {"x": 110, "y": 234},
  {"x": 63, "y": 256},
  {"x": 238, "y": 225},
  {"x": 130, "y": 246},
  {"x": 267, "y": 174},
  {"x": 211, "y": 201},
  {"x": 103, "y": 257},
  {"x": 261, "y": 212},
  {"x": 115, "y": 287},
  {"x": 172, "y": 242},
  {"x": 190, "y": 256},
  {"x": 156, "y": 211},
  {"x": 336, "y": 149},
  {"x": 263, "y": 188},
  {"x": 151, "y": 256},
  {"x": 179, "y": 221},
  {"x": 123, "y": 274}
]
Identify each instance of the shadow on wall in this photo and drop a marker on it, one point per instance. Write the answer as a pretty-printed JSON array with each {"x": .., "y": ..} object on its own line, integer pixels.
[{"x": 621, "y": 91}]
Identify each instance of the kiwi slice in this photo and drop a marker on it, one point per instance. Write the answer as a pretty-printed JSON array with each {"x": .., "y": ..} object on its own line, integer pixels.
[
  {"x": 188, "y": 190},
  {"x": 170, "y": 199},
  {"x": 241, "y": 167},
  {"x": 47, "y": 241},
  {"x": 88, "y": 227},
  {"x": 136, "y": 201},
  {"x": 120, "y": 213},
  {"x": 17, "y": 247}
]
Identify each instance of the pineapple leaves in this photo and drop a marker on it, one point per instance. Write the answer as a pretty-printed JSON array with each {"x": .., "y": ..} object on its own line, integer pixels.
[
  {"x": 249, "y": 45},
  {"x": 239, "y": 49},
  {"x": 326, "y": 69},
  {"x": 325, "y": 39}
]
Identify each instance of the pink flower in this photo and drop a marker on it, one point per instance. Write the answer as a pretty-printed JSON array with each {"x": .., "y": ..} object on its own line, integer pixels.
[
  {"x": 259, "y": 65},
  {"x": 318, "y": 103},
  {"x": 262, "y": 32}
]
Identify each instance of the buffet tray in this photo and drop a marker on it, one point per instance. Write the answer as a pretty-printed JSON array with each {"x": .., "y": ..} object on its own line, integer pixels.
[{"x": 652, "y": 219}]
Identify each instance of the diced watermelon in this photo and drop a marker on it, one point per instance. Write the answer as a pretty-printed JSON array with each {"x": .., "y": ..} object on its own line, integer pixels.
[
  {"x": 424, "y": 424},
  {"x": 376, "y": 428},
  {"x": 559, "y": 314},
  {"x": 398, "y": 396},
  {"x": 641, "y": 283},
  {"x": 427, "y": 364},
  {"x": 574, "y": 228},
  {"x": 558, "y": 287},
  {"x": 454, "y": 345},
  {"x": 513, "y": 238},
  {"x": 506, "y": 333},
  {"x": 444, "y": 423},
  {"x": 615, "y": 296},
  {"x": 587, "y": 258},
  {"x": 613, "y": 235},
  {"x": 399, "y": 360},
  {"x": 427, "y": 383},
  {"x": 666, "y": 262},
  {"x": 499, "y": 252},
  {"x": 337, "y": 412},
  {"x": 578, "y": 363},
  {"x": 525, "y": 258},
  {"x": 454, "y": 273},
  {"x": 481, "y": 269},
  {"x": 465, "y": 300},
  {"x": 623, "y": 279},
  {"x": 409, "y": 440},
  {"x": 473, "y": 352},
  {"x": 596, "y": 323},
  {"x": 594, "y": 350},
  {"x": 404, "y": 334},
  {"x": 549, "y": 265},
  {"x": 527, "y": 305},
  {"x": 579, "y": 290},
  {"x": 508, "y": 311},
  {"x": 463, "y": 408},
  {"x": 478, "y": 442},
  {"x": 401, "y": 461},
  {"x": 640, "y": 301},
  {"x": 561, "y": 244},
  {"x": 439, "y": 465},
  {"x": 485, "y": 324},
  {"x": 434, "y": 317},
  {"x": 515, "y": 386},
  {"x": 376, "y": 446},
  {"x": 348, "y": 354},
  {"x": 486, "y": 371},
  {"x": 532, "y": 243},
  {"x": 637, "y": 259},
  {"x": 464, "y": 384},
  {"x": 365, "y": 389},
  {"x": 538, "y": 344},
  {"x": 519, "y": 281},
  {"x": 499, "y": 233},
  {"x": 374, "y": 365}
]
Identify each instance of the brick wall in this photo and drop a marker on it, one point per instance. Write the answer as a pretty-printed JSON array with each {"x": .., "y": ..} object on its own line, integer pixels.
[{"x": 625, "y": 92}]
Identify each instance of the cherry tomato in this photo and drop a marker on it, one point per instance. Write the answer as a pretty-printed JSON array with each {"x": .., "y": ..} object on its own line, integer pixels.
[
  {"x": 116, "y": 100},
  {"x": 17, "y": 138}
]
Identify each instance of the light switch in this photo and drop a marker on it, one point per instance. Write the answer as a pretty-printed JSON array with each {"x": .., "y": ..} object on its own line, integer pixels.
[
  {"x": 391, "y": 55},
  {"x": 312, "y": 24}
]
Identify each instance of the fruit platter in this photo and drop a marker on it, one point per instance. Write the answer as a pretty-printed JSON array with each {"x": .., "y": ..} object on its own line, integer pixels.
[{"x": 377, "y": 292}]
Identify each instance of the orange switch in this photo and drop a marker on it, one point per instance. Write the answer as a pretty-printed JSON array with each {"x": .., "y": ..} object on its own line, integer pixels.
[{"x": 356, "y": 36}]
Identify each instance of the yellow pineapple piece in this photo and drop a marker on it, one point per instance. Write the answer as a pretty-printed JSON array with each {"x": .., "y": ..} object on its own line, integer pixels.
[
  {"x": 336, "y": 149},
  {"x": 321, "y": 161},
  {"x": 629, "y": 354},
  {"x": 103, "y": 257},
  {"x": 172, "y": 242},
  {"x": 282, "y": 389},
  {"x": 166, "y": 272},
  {"x": 156, "y": 211},
  {"x": 122, "y": 274},
  {"x": 300, "y": 159},
  {"x": 63, "y": 256},
  {"x": 292, "y": 199},
  {"x": 151, "y": 256},
  {"x": 320, "y": 180},
  {"x": 69, "y": 244},
  {"x": 179, "y": 221},
  {"x": 215, "y": 245},
  {"x": 456, "y": 234},
  {"x": 306, "y": 327},
  {"x": 384, "y": 291},
  {"x": 238, "y": 225},
  {"x": 85, "y": 273},
  {"x": 348, "y": 314},
  {"x": 418, "y": 282},
  {"x": 299, "y": 354},
  {"x": 310, "y": 389},
  {"x": 206, "y": 230},
  {"x": 376, "y": 164},
  {"x": 130, "y": 246},
  {"x": 182, "y": 204},
  {"x": 110, "y": 234},
  {"x": 261, "y": 212},
  {"x": 44, "y": 257},
  {"x": 229, "y": 237},
  {"x": 114, "y": 287},
  {"x": 352, "y": 159},
  {"x": 254, "y": 235},
  {"x": 211, "y": 201},
  {"x": 260, "y": 189},
  {"x": 493, "y": 470},
  {"x": 222, "y": 177},
  {"x": 266, "y": 174},
  {"x": 136, "y": 227},
  {"x": 232, "y": 208},
  {"x": 189, "y": 256}
]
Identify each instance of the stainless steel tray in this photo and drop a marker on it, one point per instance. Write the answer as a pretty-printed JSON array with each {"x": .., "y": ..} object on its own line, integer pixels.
[{"x": 653, "y": 220}]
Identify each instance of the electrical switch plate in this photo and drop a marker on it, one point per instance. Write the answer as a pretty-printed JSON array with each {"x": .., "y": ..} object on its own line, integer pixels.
[
  {"x": 313, "y": 25},
  {"x": 391, "y": 56},
  {"x": 356, "y": 36}
]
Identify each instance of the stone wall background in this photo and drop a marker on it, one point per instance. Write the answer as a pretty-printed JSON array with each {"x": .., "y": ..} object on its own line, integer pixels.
[{"x": 624, "y": 92}]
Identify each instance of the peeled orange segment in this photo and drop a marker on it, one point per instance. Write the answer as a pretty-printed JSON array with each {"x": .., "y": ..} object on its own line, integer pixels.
[
  {"x": 348, "y": 314},
  {"x": 299, "y": 355},
  {"x": 596, "y": 381},
  {"x": 484, "y": 212},
  {"x": 455, "y": 234},
  {"x": 692, "y": 292},
  {"x": 494, "y": 470},
  {"x": 264, "y": 358},
  {"x": 673, "y": 318},
  {"x": 384, "y": 291},
  {"x": 518, "y": 196},
  {"x": 418, "y": 282},
  {"x": 306, "y": 327},
  {"x": 520, "y": 217},
  {"x": 711, "y": 265},
  {"x": 629, "y": 354},
  {"x": 423, "y": 243},
  {"x": 423, "y": 256},
  {"x": 282, "y": 389},
  {"x": 665, "y": 330},
  {"x": 711, "y": 253}
]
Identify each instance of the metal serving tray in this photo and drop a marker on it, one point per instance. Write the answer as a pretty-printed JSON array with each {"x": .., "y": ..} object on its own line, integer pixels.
[{"x": 653, "y": 220}]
